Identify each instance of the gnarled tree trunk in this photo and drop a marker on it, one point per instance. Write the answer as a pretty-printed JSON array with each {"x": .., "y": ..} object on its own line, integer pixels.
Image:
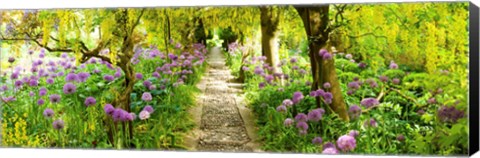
[
  {"x": 316, "y": 23},
  {"x": 270, "y": 17}
]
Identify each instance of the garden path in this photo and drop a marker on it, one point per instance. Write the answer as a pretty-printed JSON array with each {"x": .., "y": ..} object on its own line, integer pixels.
[{"x": 224, "y": 123}]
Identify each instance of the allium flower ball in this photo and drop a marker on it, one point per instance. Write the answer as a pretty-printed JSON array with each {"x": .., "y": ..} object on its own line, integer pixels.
[
  {"x": 69, "y": 88},
  {"x": 369, "y": 102},
  {"x": 327, "y": 96},
  {"x": 449, "y": 114},
  {"x": 40, "y": 101},
  {"x": 258, "y": 70},
  {"x": 71, "y": 77},
  {"x": 354, "y": 133},
  {"x": 362, "y": 65},
  {"x": 301, "y": 117},
  {"x": 156, "y": 74},
  {"x": 287, "y": 102},
  {"x": 147, "y": 83},
  {"x": 432, "y": 101},
  {"x": 383, "y": 78},
  {"x": 303, "y": 126},
  {"x": 320, "y": 92},
  {"x": 148, "y": 108},
  {"x": 401, "y": 138},
  {"x": 89, "y": 101},
  {"x": 269, "y": 78},
  {"x": 288, "y": 122},
  {"x": 261, "y": 85},
  {"x": 326, "y": 85},
  {"x": 420, "y": 112},
  {"x": 348, "y": 56},
  {"x": 18, "y": 83},
  {"x": 393, "y": 65},
  {"x": 146, "y": 96},
  {"x": 108, "y": 78},
  {"x": 282, "y": 108},
  {"x": 297, "y": 97},
  {"x": 50, "y": 80},
  {"x": 109, "y": 109},
  {"x": 54, "y": 98},
  {"x": 117, "y": 114},
  {"x": 346, "y": 143},
  {"x": 327, "y": 56},
  {"x": 33, "y": 82},
  {"x": 11, "y": 59},
  {"x": 58, "y": 124},
  {"x": 144, "y": 115},
  {"x": 48, "y": 113},
  {"x": 350, "y": 92},
  {"x": 322, "y": 52},
  {"x": 313, "y": 94},
  {"x": 83, "y": 76},
  {"x": 396, "y": 81},
  {"x": 139, "y": 76},
  {"x": 354, "y": 111},
  {"x": 332, "y": 150},
  {"x": 293, "y": 60},
  {"x": 317, "y": 141},
  {"x": 315, "y": 115},
  {"x": 370, "y": 123}
]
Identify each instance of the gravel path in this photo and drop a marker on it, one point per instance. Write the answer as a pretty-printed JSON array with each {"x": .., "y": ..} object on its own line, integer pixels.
[{"x": 225, "y": 124}]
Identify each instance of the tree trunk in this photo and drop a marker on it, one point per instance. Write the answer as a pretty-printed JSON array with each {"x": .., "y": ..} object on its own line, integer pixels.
[
  {"x": 315, "y": 20},
  {"x": 269, "y": 23}
]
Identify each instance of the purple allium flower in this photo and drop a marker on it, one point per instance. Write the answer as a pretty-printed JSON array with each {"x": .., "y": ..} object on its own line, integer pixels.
[
  {"x": 261, "y": 85},
  {"x": 11, "y": 59},
  {"x": 354, "y": 133},
  {"x": 372, "y": 83},
  {"x": 327, "y": 56},
  {"x": 132, "y": 116},
  {"x": 71, "y": 77},
  {"x": 54, "y": 98},
  {"x": 89, "y": 101},
  {"x": 369, "y": 102},
  {"x": 40, "y": 101},
  {"x": 354, "y": 111},
  {"x": 269, "y": 78},
  {"x": 313, "y": 94},
  {"x": 64, "y": 55},
  {"x": 396, "y": 81},
  {"x": 14, "y": 75},
  {"x": 287, "y": 102},
  {"x": 33, "y": 82},
  {"x": 282, "y": 109},
  {"x": 58, "y": 124},
  {"x": 362, "y": 65},
  {"x": 117, "y": 114},
  {"x": 317, "y": 141},
  {"x": 156, "y": 74},
  {"x": 348, "y": 56},
  {"x": 346, "y": 143},
  {"x": 328, "y": 101},
  {"x": 108, "y": 78},
  {"x": 146, "y": 96},
  {"x": 308, "y": 83},
  {"x": 320, "y": 92},
  {"x": 327, "y": 96},
  {"x": 315, "y": 115},
  {"x": 303, "y": 126},
  {"x": 18, "y": 83},
  {"x": 288, "y": 122},
  {"x": 118, "y": 74},
  {"x": 328, "y": 145},
  {"x": 401, "y": 138},
  {"x": 69, "y": 88},
  {"x": 301, "y": 117},
  {"x": 322, "y": 52},
  {"x": 326, "y": 85},
  {"x": 139, "y": 76},
  {"x": 383, "y": 78},
  {"x": 3, "y": 88},
  {"x": 244, "y": 68},
  {"x": 83, "y": 76},
  {"x": 147, "y": 83},
  {"x": 152, "y": 87},
  {"x": 109, "y": 109},
  {"x": 144, "y": 115},
  {"x": 449, "y": 114},
  {"x": 331, "y": 150},
  {"x": 258, "y": 70},
  {"x": 31, "y": 94},
  {"x": 50, "y": 80},
  {"x": 297, "y": 97},
  {"x": 371, "y": 123},
  {"x": 432, "y": 101},
  {"x": 420, "y": 112},
  {"x": 48, "y": 113},
  {"x": 393, "y": 65},
  {"x": 350, "y": 92},
  {"x": 41, "y": 55},
  {"x": 293, "y": 60},
  {"x": 148, "y": 108}
]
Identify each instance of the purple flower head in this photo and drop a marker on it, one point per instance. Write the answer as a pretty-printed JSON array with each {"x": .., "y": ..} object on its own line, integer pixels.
[
  {"x": 54, "y": 98},
  {"x": 348, "y": 56},
  {"x": 50, "y": 80},
  {"x": 109, "y": 109},
  {"x": 328, "y": 145},
  {"x": 152, "y": 87},
  {"x": 354, "y": 133},
  {"x": 146, "y": 96},
  {"x": 332, "y": 150},
  {"x": 322, "y": 52},
  {"x": 287, "y": 102},
  {"x": 58, "y": 124},
  {"x": 148, "y": 108},
  {"x": 11, "y": 59},
  {"x": 354, "y": 85},
  {"x": 40, "y": 101},
  {"x": 147, "y": 83},
  {"x": 83, "y": 76},
  {"x": 293, "y": 60},
  {"x": 346, "y": 143},
  {"x": 303, "y": 126},
  {"x": 432, "y": 101},
  {"x": 301, "y": 117},
  {"x": 327, "y": 56},
  {"x": 396, "y": 81},
  {"x": 18, "y": 83},
  {"x": 48, "y": 113},
  {"x": 320, "y": 92},
  {"x": 420, "y": 112},
  {"x": 282, "y": 109},
  {"x": 269, "y": 78},
  {"x": 317, "y": 141},
  {"x": 313, "y": 94},
  {"x": 315, "y": 115},
  {"x": 354, "y": 111},
  {"x": 328, "y": 101},
  {"x": 144, "y": 115},
  {"x": 326, "y": 85},
  {"x": 449, "y": 114},
  {"x": 156, "y": 74},
  {"x": 69, "y": 88},
  {"x": 108, "y": 78},
  {"x": 33, "y": 82},
  {"x": 297, "y": 97},
  {"x": 393, "y": 65},
  {"x": 370, "y": 123},
  {"x": 139, "y": 76},
  {"x": 288, "y": 122},
  {"x": 258, "y": 70},
  {"x": 71, "y": 77},
  {"x": 327, "y": 96},
  {"x": 89, "y": 101},
  {"x": 64, "y": 55},
  {"x": 383, "y": 78},
  {"x": 362, "y": 65},
  {"x": 369, "y": 102},
  {"x": 401, "y": 138},
  {"x": 118, "y": 74},
  {"x": 14, "y": 75},
  {"x": 117, "y": 114},
  {"x": 31, "y": 94}
]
